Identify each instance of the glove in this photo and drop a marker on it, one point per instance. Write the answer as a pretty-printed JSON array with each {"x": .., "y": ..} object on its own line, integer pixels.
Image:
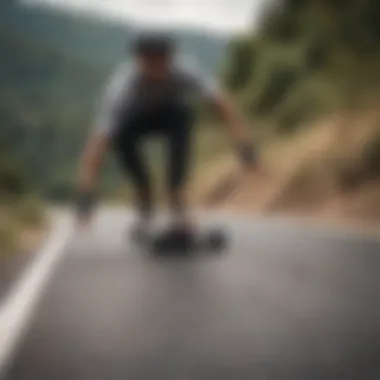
[
  {"x": 84, "y": 204},
  {"x": 248, "y": 155}
]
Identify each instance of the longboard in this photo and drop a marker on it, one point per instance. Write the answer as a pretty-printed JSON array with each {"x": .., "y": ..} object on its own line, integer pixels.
[{"x": 175, "y": 243}]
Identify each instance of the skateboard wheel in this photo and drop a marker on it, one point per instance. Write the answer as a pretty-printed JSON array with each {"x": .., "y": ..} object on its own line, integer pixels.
[
  {"x": 216, "y": 240},
  {"x": 172, "y": 242}
]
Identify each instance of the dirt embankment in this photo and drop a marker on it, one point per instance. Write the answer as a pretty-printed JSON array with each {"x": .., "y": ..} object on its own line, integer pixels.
[
  {"x": 331, "y": 171},
  {"x": 23, "y": 227}
]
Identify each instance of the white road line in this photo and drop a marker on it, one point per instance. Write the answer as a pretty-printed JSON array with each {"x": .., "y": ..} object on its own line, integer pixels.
[{"x": 17, "y": 310}]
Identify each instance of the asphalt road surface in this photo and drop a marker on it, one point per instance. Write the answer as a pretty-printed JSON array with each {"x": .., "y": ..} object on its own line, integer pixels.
[
  {"x": 11, "y": 268},
  {"x": 285, "y": 302}
]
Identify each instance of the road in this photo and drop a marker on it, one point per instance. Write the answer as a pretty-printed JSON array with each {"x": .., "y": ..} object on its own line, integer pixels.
[
  {"x": 287, "y": 302},
  {"x": 11, "y": 268}
]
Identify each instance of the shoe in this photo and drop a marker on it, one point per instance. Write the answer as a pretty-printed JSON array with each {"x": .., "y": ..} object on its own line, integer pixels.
[
  {"x": 140, "y": 230},
  {"x": 178, "y": 235}
]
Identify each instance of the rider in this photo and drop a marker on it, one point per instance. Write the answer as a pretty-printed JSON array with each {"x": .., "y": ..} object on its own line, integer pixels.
[{"x": 149, "y": 96}]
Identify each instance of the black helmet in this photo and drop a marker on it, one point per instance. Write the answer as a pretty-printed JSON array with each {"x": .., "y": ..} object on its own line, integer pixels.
[{"x": 153, "y": 44}]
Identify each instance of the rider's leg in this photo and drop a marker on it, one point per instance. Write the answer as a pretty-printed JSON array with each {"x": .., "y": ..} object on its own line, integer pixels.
[
  {"x": 129, "y": 153},
  {"x": 179, "y": 157}
]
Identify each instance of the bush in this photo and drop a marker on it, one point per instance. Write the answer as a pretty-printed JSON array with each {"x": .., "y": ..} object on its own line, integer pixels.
[
  {"x": 240, "y": 66},
  {"x": 12, "y": 181},
  {"x": 61, "y": 191},
  {"x": 29, "y": 212},
  {"x": 276, "y": 88},
  {"x": 316, "y": 56},
  {"x": 281, "y": 25},
  {"x": 9, "y": 232}
]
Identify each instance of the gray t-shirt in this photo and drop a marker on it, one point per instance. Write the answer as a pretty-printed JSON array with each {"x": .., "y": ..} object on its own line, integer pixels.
[{"x": 127, "y": 92}]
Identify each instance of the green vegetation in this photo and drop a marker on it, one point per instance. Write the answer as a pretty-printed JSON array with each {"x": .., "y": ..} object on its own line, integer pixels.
[
  {"x": 308, "y": 59},
  {"x": 309, "y": 80}
]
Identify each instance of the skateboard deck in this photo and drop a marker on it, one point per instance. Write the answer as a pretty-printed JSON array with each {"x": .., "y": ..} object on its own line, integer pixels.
[{"x": 177, "y": 242}]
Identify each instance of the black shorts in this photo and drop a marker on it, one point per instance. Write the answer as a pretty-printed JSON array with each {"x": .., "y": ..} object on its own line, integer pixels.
[{"x": 173, "y": 123}]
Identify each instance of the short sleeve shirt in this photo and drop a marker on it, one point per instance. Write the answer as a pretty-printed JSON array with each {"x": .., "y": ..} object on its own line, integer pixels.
[{"x": 126, "y": 91}]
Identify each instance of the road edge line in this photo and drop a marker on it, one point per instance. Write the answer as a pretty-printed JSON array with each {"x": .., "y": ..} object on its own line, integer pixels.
[{"x": 17, "y": 309}]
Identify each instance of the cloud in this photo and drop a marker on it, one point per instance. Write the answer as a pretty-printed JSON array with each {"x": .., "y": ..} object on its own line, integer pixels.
[{"x": 226, "y": 16}]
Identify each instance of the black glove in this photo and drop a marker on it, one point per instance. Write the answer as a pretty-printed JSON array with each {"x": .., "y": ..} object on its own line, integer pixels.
[
  {"x": 247, "y": 154},
  {"x": 85, "y": 203}
]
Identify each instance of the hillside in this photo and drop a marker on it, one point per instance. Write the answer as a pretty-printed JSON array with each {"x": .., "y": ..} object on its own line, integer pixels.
[
  {"x": 52, "y": 69},
  {"x": 308, "y": 59},
  {"x": 97, "y": 42},
  {"x": 310, "y": 83}
]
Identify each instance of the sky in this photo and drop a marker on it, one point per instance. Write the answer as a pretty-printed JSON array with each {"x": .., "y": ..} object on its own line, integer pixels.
[{"x": 221, "y": 16}]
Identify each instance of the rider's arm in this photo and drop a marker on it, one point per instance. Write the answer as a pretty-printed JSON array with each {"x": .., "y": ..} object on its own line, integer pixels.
[
  {"x": 235, "y": 122},
  {"x": 233, "y": 119},
  {"x": 209, "y": 89},
  {"x": 92, "y": 157},
  {"x": 97, "y": 144},
  {"x": 238, "y": 128}
]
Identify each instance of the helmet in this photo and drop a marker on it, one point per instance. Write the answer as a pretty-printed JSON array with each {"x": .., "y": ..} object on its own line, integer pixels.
[{"x": 153, "y": 44}]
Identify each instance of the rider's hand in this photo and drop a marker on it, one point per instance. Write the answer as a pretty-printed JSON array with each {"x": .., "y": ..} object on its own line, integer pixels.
[
  {"x": 248, "y": 156},
  {"x": 84, "y": 206},
  {"x": 83, "y": 220},
  {"x": 250, "y": 162}
]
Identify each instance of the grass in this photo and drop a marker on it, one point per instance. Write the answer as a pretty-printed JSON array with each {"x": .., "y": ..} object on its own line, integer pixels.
[{"x": 16, "y": 218}]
